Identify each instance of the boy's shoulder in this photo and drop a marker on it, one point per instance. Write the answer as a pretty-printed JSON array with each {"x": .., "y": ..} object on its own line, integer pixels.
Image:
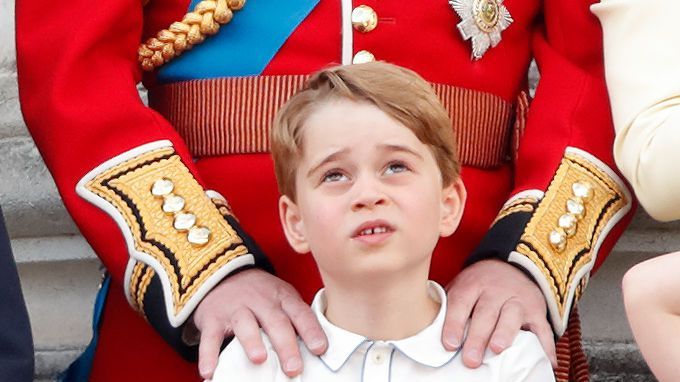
[
  {"x": 526, "y": 339},
  {"x": 524, "y": 360},
  {"x": 525, "y": 345},
  {"x": 234, "y": 365}
]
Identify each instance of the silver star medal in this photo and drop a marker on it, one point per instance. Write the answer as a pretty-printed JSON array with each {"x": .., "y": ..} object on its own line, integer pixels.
[{"x": 483, "y": 22}]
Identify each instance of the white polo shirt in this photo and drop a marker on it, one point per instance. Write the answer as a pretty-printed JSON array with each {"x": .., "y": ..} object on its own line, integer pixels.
[{"x": 422, "y": 357}]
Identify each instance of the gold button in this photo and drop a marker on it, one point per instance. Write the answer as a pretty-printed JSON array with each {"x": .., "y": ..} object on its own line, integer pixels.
[
  {"x": 362, "y": 57},
  {"x": 184, "y": 221},
  {"x": 173, "y": 204},
  {"x": 558, "y": 239},
  {"x": 575, "y": 207},
  {"x": 364, "y": 18},
  {"x": 582, "y": 190},
  {"x": 568, "y": 223},
  {"x": 162, "y": 187},
  {"x": 198, "y": 236}
]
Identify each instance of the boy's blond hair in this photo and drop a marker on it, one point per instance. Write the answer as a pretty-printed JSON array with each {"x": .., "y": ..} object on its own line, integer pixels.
[{"x": 398, "y": 92}]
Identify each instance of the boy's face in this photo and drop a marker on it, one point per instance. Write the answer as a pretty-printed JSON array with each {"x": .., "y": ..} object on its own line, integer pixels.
[{"x": 369, "y": 194}]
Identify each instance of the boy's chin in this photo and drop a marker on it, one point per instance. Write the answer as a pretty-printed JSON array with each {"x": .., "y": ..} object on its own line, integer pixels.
[{"x": 377, "y": 268}]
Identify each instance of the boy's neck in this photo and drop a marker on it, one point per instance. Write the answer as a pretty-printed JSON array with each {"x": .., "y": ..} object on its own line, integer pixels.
[{"x": 387, "y": 308}]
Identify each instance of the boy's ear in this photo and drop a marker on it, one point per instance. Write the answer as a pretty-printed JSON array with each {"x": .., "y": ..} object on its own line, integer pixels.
[
  {"x": 292, "y": 224},
  {"x": 453, "y": 204}
]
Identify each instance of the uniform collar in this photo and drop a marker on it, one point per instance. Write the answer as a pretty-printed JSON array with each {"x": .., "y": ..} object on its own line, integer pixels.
[{"x": 424, "y": 348}]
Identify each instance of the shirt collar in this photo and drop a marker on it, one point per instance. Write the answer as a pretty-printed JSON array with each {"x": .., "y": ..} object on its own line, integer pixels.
[
  {"x": 341, "y": 343},
  {"x": 425, "y": 347}
]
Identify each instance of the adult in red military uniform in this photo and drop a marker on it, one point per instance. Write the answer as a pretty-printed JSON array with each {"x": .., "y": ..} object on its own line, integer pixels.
[{"x": 542, "y": 193}]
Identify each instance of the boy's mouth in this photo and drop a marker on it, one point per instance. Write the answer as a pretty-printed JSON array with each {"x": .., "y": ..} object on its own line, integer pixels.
[{"x": 373, "y": 229}]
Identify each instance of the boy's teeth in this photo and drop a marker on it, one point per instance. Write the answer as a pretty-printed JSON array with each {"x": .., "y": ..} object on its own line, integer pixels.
[{"x": 371, "y": 231}]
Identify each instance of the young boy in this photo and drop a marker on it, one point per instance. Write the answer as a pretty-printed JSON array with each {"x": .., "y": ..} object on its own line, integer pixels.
[{"x": 365, "y": 160}]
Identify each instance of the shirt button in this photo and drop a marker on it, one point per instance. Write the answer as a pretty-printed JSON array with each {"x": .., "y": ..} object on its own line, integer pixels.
[
  {"x": 364, "y": 18},
  {"x": 362, "y": 57},
  {"x": 378, "y": 358}
]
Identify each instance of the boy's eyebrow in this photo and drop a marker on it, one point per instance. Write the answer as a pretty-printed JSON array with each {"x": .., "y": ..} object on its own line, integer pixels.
[
  {"x": 327, "y": 159},
  {"x": 400, "y": 148}
]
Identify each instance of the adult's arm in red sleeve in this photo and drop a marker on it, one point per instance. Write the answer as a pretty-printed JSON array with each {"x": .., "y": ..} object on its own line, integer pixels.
[
  {"x": 124, "y": 174},
  {"x": 569, "y": 205}
]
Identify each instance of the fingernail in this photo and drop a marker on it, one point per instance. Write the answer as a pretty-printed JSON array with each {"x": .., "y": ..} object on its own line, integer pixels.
[
  {"x": 204, "y": 370},
  {"x": 256, "y": 354},
  {"x": 452, "y": 341},
  {"x": 317, "y": 345},
  {"x": 475, "y": 355},
  {"x": 497, "y": 345},
  {"x": 293, "y": 364}
]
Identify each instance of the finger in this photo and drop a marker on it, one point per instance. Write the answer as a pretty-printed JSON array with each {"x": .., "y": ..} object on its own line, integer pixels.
[
  {"x": 545, "y": 335},
  {"x": 508, "y": 325},
  {"x": 212, "y": 335},
  {"x": 458, "y": 311},
  {"x": 482, "y": 324},
  {"x": 247, "y": 331},
  {"x": 278, "y": 327},
  {"x": 306, "y": 324}
]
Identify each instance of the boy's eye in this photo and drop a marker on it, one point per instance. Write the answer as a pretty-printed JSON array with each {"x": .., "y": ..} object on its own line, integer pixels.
[
  {"x": 333, "y": 176},
  {"x": 395, "y": 168}
]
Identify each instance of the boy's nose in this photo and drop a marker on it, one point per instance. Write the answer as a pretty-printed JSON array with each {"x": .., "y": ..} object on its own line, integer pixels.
[
  {"x": 368, "y": 197},
  {"x": 368, "y": 203}
]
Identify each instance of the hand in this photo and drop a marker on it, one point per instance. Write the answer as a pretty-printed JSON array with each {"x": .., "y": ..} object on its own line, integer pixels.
[
  {"x": 238, "y": 303},
  {"x": 500, "y": 300}
]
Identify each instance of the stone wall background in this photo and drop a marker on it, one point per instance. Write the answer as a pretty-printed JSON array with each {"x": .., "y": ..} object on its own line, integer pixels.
[{"x": 60, "y": 273}]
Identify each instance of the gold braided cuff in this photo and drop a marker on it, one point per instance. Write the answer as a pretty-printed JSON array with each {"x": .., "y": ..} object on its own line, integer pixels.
[
  {"x": 560, "y": 243},
  {"x": 523, "y": 202},
  {"x": 204, "y": 20},
  {"x": 172, "y": 228}
]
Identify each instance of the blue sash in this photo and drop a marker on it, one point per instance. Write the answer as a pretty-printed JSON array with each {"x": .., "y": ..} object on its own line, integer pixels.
[{"x": 244, "y": 46}]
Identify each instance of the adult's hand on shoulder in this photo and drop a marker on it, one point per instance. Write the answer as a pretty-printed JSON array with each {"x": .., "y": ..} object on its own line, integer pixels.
[
  {"x": 242, "y": 303},
  {"x": 498, "y": 300}
]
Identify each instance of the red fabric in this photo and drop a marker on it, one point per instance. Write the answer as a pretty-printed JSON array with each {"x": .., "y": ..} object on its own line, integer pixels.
[
  {"x": 77, "y": 81},
  {"x": 421, "y": 36},
  {"x": 571, "y": 105},
  {"x": 130, "y": 350},
  {"x": 77, "y": 63}
]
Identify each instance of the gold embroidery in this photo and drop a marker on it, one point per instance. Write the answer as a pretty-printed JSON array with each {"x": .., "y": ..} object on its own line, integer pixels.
[
  {"x": 525, "y": 204},
  {"x": 580, "y": 289},
  {"x": 223, "y": 206},
  {"x": 205, "y": 19},
  {"x": 561, "y": 268},
  {"x": 126, "y": 186},
  {"x": 143, "y": 285},
  {"x": 134, "y": 283}
]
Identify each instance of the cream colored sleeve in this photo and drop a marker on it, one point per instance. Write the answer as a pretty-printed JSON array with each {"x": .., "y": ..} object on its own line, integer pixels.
[{"x": 642, "y": 59}]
